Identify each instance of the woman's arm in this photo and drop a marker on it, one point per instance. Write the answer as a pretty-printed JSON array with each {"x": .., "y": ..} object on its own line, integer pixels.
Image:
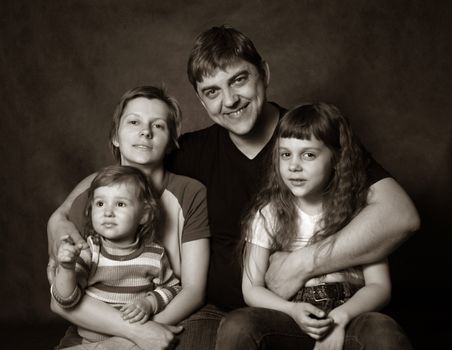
[
  {"x": 194, "y": 267},
  {"x": 59, "y": 225},
  {"x": 100, "y": 317},
  {"x": 387, "y": 220}
]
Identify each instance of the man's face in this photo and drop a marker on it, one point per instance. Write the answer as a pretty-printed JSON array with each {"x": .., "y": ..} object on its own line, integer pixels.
[{"x": 234, "y": 97}]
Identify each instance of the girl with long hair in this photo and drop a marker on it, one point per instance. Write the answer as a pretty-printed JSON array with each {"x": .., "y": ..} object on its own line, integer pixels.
[{"x": 315, "y": 186}]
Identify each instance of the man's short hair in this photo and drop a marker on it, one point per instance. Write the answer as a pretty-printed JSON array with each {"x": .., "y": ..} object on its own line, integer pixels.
[{"x": 218, "y": 48}]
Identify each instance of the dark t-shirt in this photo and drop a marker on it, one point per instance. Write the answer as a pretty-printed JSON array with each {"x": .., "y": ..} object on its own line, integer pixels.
[{"x": 232, "y": 179}]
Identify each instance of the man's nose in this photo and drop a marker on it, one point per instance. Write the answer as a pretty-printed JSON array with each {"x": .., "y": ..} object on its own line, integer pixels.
[{"x": 230, "y": 98}]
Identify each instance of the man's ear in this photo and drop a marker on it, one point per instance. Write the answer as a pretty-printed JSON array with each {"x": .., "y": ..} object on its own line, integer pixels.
[{"x": 266, "y": 68}]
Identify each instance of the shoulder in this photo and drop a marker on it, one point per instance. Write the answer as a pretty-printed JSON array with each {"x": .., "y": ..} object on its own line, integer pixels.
[
  {"x": 153, "y": 248},
  {"x": 183, "y": 186}
]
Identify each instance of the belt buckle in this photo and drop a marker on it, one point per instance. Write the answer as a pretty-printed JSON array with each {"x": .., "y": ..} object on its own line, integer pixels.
[{"x": 320, "y": 299}]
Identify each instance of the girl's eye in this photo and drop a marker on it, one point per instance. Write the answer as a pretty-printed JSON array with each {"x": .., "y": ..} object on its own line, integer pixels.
[
  {"x": 309, "y": 156},
  {"x": 121, "y": 204},
  {"x": 285, "y": 155},
  {"x": 99, "y": 204}
]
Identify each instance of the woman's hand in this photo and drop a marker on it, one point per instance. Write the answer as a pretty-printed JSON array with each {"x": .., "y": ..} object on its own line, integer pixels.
[
  {"x": 309, "y": 319},
  {"x": 154, "y": 336}
]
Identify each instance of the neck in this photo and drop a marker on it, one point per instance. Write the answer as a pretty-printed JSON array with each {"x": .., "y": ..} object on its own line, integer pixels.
[
  {"x": 155, "y": 174},
  {"x": 310, "y": 206},
  {"x": 253, "y": 142}
]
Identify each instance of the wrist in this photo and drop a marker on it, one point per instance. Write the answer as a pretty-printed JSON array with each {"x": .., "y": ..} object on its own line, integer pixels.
[{"x": 340, "y": 317}]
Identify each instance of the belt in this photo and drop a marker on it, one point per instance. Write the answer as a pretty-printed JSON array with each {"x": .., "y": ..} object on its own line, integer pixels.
[{"x": 336, "y": 291}]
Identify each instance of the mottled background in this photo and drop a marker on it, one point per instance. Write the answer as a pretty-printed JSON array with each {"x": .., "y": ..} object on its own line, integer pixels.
[{"x": 65, "y": 64}]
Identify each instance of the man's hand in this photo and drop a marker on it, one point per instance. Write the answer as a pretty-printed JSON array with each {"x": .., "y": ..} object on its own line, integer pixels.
[{"x": 284, "y": 275}]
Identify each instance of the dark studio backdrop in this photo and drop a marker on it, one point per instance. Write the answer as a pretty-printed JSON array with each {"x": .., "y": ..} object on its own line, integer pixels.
[{"x": 65, "y": 64}]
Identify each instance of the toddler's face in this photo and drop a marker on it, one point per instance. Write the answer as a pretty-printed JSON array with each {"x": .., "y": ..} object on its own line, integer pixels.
[{"x": 116, "y": 212}]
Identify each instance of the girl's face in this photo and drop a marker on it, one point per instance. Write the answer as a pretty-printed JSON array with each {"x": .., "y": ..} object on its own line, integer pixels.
[
  {"x": 116, "y": 212},
  {"x": 306, "y": 168},
  {"x": 143, "y": 135}
]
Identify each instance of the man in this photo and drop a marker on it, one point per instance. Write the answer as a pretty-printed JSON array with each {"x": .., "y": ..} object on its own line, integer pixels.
[
  {"x": 229, "y": 157},
  {"x": 230, "y": 79}
]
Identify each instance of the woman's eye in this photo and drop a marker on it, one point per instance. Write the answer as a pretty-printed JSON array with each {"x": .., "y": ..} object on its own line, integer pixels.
[
  {"x": 159, "y": 126},
  {"x": 133, "y": 122}
]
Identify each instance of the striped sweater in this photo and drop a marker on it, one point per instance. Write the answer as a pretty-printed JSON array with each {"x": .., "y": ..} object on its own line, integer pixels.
[{"x": 119, "y": 275}]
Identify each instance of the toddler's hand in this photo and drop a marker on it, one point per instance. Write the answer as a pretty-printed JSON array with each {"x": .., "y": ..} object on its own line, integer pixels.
[
  {"x": 137, "y": 311},
  {"x": 309, "y": 319},
  {"x": 68, "y": 252}
]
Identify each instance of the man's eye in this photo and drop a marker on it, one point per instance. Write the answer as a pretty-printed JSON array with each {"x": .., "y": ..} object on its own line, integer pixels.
[
  {"x": 211, "y": 93},
  {"x": 240, "y": 80}
]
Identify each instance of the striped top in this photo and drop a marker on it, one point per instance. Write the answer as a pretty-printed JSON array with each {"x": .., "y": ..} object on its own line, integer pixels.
[{"x": 120, "y": 275}]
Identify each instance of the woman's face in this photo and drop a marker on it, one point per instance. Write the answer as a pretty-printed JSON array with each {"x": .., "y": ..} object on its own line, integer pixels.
[{"x": 143, "y": 135}]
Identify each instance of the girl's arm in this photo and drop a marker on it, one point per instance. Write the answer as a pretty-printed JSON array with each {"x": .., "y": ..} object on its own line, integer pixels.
[
  {"x": 387, "y": 220},
  {"x": 194, "y": 267},
  {"x": 59, "y": 225},
  {"x": 375, "y": 294},
  {"x": 256, "y": 294},
  {"x": 98, "y": 316}
]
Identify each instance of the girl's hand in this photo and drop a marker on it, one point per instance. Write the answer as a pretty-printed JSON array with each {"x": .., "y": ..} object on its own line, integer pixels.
[
  {"x": 333, "y": 341},
  {"x": 310, "y": 319},
  {"x": 138, "y": 311},
  {"x": 68, "y": 252}
]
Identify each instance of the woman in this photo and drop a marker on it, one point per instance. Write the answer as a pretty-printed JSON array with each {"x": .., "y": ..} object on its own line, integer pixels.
[{"x": 146, "y": 125}]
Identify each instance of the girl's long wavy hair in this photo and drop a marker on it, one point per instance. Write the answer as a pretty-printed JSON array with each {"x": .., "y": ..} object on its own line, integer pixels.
[
  {"x": 120, "y": 174},
  {"x": 344, "y": 196}
]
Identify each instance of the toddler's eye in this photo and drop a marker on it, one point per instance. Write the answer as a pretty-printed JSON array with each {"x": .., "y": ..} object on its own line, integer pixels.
[
  {"x": 99, "y": 204},
  {"x": 121, "y": 204}
]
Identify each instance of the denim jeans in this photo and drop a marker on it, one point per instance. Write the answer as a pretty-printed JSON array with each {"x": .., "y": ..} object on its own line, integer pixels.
[
  {"x": 200, "y": 329},
  {"x": 258, "y": 328}
]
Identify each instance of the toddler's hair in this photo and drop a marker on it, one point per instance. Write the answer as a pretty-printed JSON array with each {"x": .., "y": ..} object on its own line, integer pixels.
[{"x": 121, "y": 174}]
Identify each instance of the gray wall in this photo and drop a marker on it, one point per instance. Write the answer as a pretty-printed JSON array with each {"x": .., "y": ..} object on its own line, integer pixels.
[{"x": 65, "y": 64}]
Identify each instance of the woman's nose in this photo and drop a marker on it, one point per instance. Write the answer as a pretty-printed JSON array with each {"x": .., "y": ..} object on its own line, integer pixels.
[{"x": 146, "y": 132}]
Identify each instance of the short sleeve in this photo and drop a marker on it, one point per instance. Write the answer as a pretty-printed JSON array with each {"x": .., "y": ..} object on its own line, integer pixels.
[
  {"x": 261, "y": 233},
  {"x": 196, "y": 224}
]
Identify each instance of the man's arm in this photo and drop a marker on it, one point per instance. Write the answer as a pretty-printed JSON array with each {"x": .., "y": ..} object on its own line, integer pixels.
[
  {"x": 59, "y": 225},
  {"x": 385, "y": 223}
]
